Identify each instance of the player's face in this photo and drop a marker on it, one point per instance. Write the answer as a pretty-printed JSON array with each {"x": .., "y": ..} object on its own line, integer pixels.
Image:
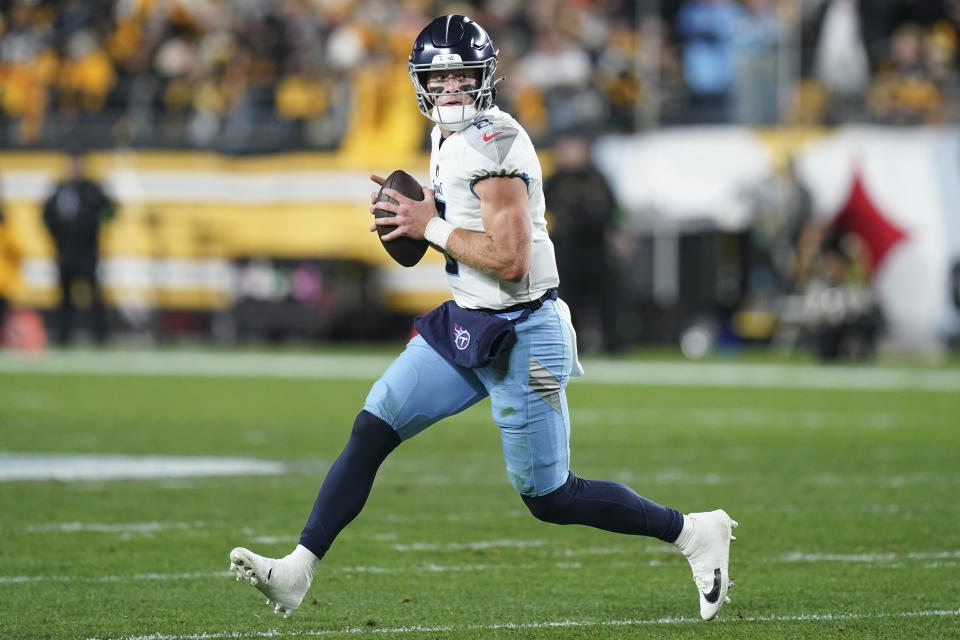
[{"x": 449, "y": 86}]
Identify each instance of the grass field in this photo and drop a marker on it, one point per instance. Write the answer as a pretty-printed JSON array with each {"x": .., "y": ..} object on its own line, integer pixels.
[{"x": 846, "y": 484}]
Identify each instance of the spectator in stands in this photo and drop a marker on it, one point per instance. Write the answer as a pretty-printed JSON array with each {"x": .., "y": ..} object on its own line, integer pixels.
[
  {"x": 25, "y": 67},
  {"x": 940, "y": 55},
  {"x": 560, "y": 70},
  {"x": 86, "y": 75},
  {"x": 905, "y": 93},
  {"x": 706, "y": 31},
  {"x": 73, "y": 215},
  {"x": 756, "y": 42},
  {"x": 841, "y": 63},
  {"x": 200, "y": 73}
]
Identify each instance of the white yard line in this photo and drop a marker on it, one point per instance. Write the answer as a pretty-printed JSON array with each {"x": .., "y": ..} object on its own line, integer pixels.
[
  {"x": 275, "y": 633},
  {"x": 85, "y": 467},
  {"x": 74, "y": 467},
  {"x": 369, "y": 367},
  {"x": 111, "y": 527},
  {"x": 111, "y": 578},
  {"x": 429, "y": 567},
  {"x": 869, "y": 558}
]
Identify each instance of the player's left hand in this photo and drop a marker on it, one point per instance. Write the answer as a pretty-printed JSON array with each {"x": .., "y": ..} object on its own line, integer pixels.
[{"x": 410, "y": 216}]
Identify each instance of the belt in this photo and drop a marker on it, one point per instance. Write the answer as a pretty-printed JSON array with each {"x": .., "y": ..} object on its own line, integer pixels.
[{"x": 533, "y": 305}]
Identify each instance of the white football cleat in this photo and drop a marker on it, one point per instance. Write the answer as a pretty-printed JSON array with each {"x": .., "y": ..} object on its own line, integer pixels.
[
  {"x": 709, "y": 555},
  {"x": 282, "y": 580}
]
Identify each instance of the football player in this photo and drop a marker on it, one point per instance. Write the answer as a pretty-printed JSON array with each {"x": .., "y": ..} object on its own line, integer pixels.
[{"x": 485, "y": 212}]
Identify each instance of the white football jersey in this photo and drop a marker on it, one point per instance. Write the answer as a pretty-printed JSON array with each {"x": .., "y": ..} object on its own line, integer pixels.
[{"x": 495, "y": 145}]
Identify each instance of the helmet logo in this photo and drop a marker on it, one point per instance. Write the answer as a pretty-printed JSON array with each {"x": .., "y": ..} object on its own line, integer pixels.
[{"x": 447, "y": 58}]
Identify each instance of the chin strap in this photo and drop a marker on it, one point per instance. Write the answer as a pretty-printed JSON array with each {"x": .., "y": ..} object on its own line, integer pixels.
[{"x": 468, "y": 113}]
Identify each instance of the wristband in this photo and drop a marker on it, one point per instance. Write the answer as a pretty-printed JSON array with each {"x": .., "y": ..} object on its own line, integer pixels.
[{"x": 437, "y": 231}]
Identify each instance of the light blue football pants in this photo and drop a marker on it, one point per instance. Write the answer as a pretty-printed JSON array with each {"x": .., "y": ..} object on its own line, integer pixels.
[{"x": 526, "y": 389}]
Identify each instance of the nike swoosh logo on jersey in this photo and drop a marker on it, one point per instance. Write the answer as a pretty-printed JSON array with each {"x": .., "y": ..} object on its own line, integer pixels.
[
  {"x": 714, "y": 594},
  {"x": 487, "y": 138}
]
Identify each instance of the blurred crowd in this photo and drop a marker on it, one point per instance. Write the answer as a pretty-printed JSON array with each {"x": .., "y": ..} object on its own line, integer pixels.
[{"x": 262, "y": 75}]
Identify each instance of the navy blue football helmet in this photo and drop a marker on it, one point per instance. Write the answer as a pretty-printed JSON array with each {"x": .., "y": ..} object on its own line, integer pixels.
[{"x": 449, "y": 43}]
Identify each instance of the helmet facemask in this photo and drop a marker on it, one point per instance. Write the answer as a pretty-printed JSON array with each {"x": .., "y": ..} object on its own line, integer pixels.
[{"x": 456, "y": 117}]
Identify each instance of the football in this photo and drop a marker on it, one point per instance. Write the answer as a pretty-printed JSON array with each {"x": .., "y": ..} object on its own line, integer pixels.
[{"x": 406, "y": 251}]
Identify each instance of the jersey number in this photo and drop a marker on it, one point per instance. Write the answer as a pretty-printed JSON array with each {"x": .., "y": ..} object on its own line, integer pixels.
[{"x": 452, "y": 267}]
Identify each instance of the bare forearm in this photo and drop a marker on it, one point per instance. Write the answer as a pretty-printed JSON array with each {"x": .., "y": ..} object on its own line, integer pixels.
[{"x": 484, "y": 253}]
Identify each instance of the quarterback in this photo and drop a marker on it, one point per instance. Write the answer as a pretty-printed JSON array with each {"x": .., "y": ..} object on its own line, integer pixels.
[{"x": 505, "y": 336}]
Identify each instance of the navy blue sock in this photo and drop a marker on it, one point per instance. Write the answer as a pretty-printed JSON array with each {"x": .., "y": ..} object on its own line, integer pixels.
[
  {"x": 605, "y": 505},
  {"x": 345, "y": 489}
]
